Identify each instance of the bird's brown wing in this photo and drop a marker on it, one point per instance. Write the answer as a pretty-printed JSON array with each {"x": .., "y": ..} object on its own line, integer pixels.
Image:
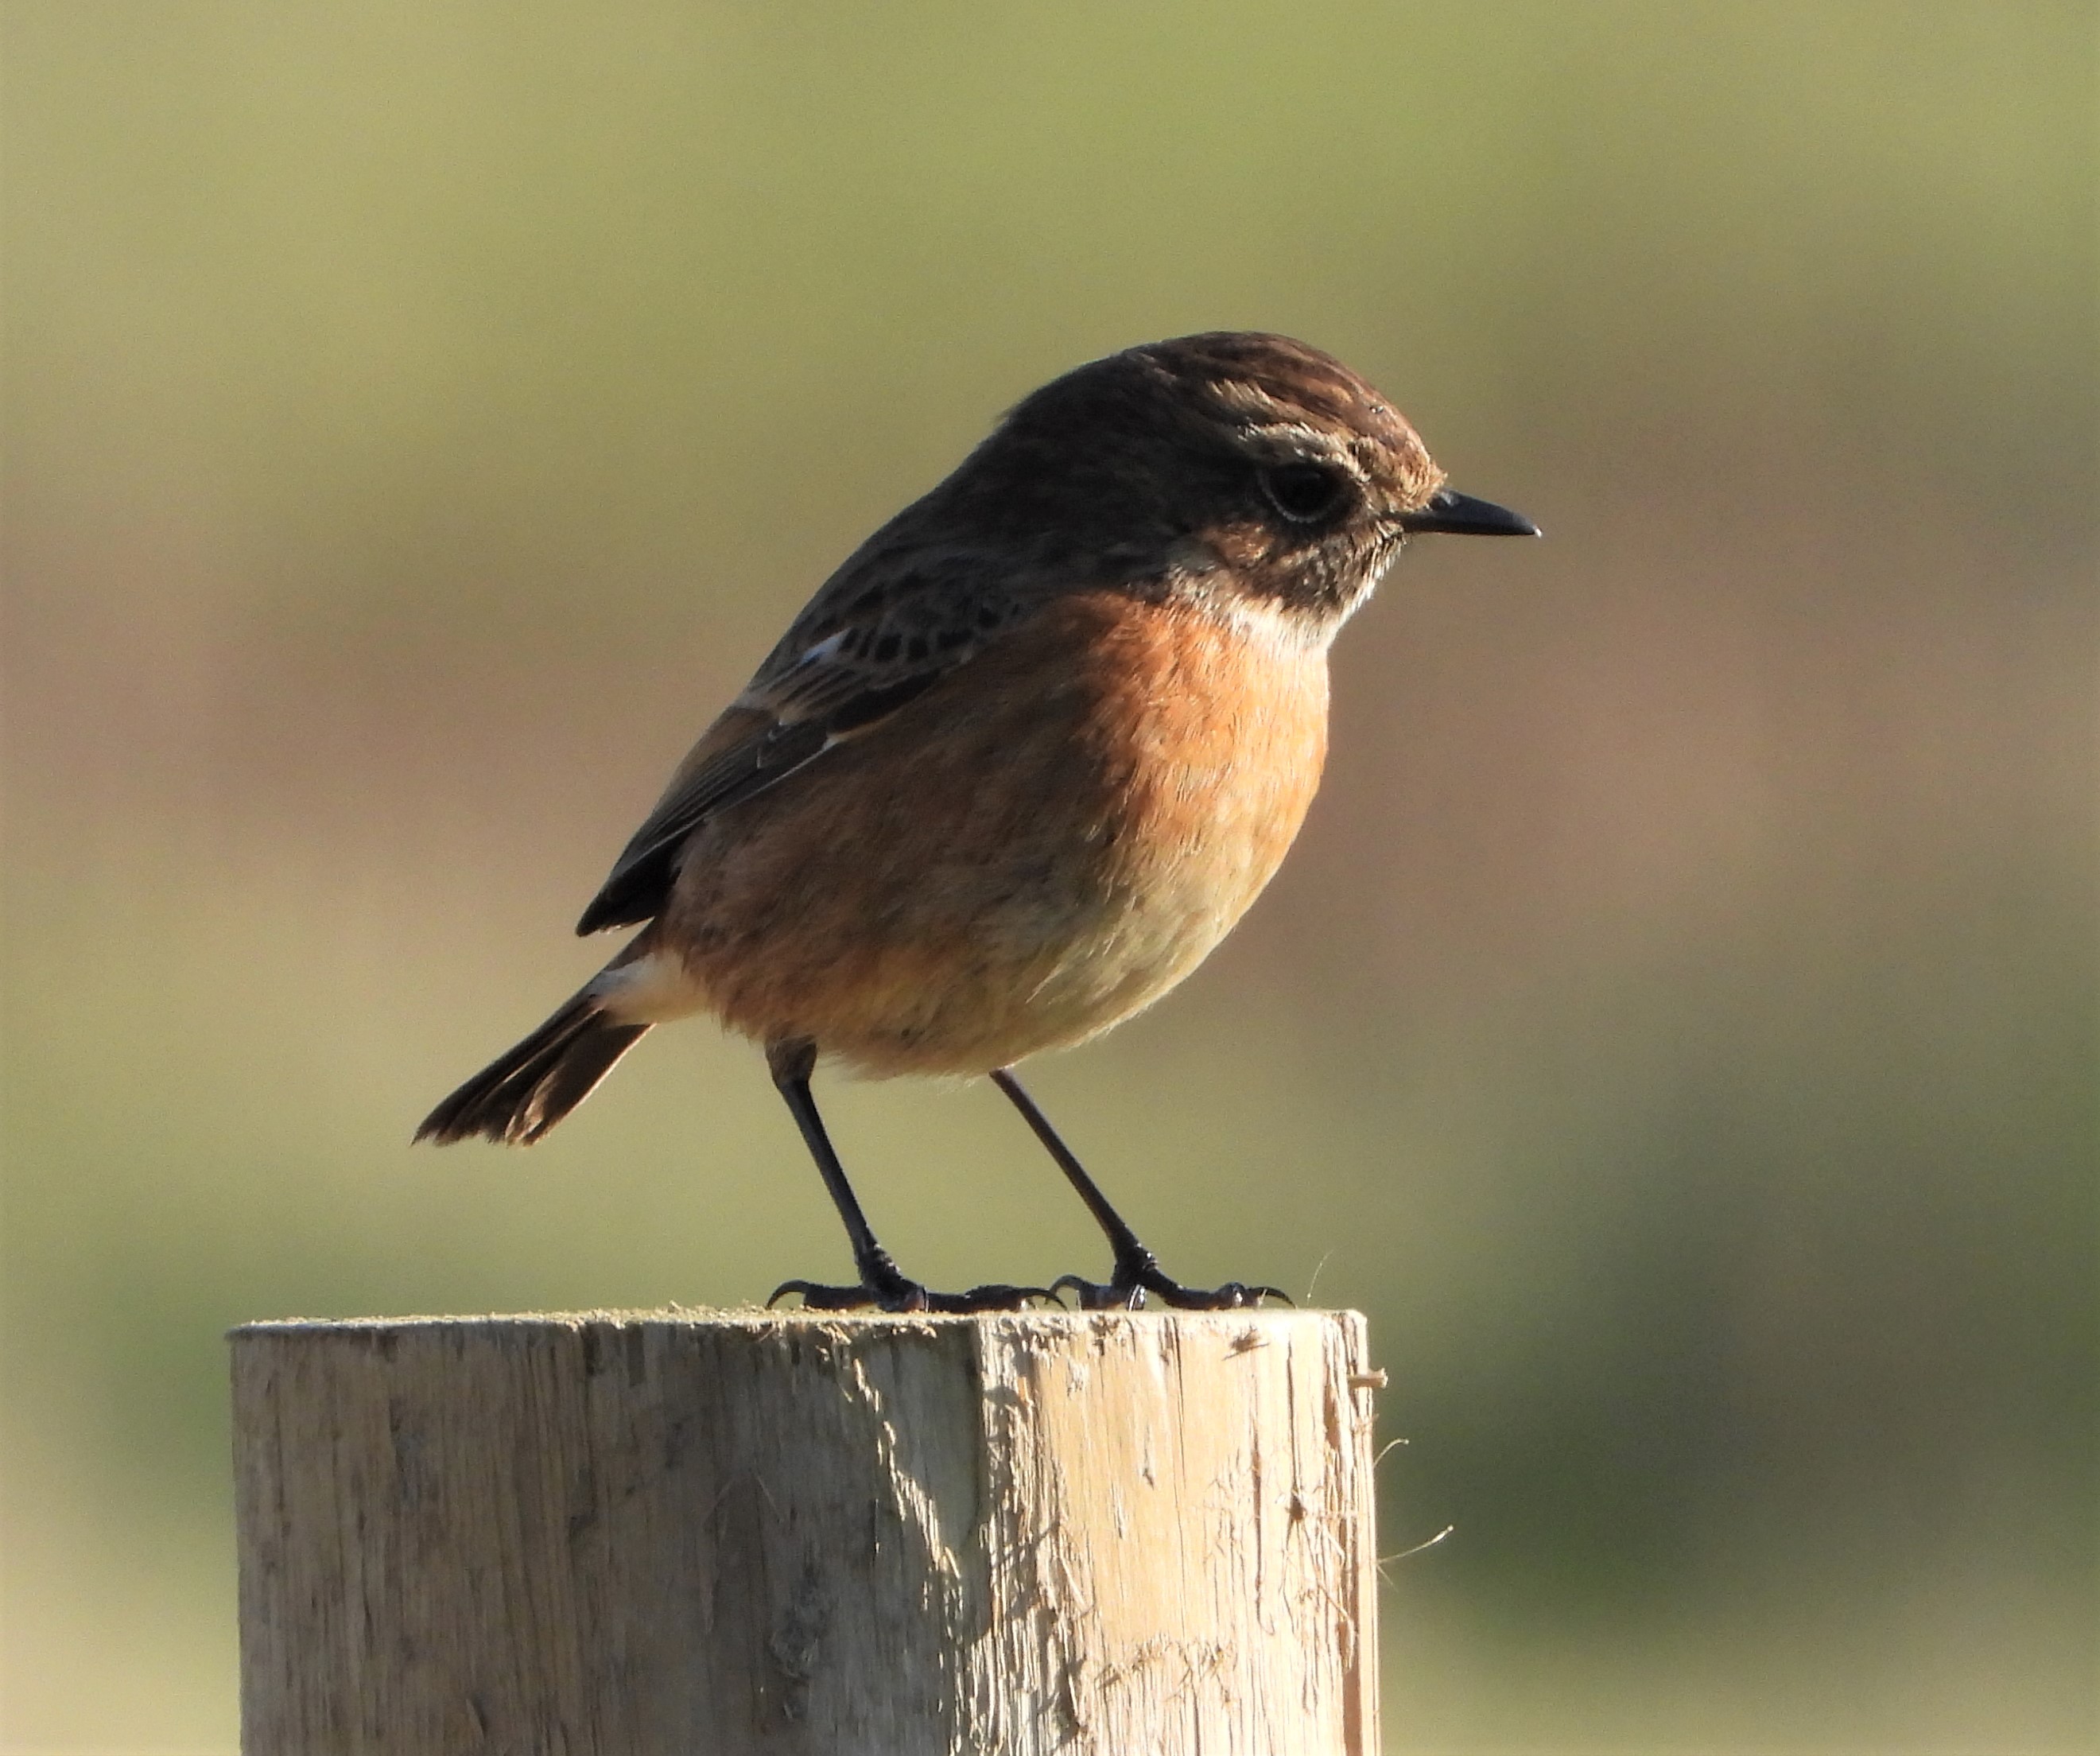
[{"x": 869, "y": 642}]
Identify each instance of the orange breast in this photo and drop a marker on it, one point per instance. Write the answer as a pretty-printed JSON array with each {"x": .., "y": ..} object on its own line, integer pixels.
[{"x": 1034, "y": 849}]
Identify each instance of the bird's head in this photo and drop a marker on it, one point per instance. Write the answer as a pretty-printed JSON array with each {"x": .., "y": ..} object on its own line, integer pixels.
[{"x": 1236, "y": 464}]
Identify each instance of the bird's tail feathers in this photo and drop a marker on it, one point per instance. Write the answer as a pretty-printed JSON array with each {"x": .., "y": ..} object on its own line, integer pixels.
[{"x": 517, "y": 1097}]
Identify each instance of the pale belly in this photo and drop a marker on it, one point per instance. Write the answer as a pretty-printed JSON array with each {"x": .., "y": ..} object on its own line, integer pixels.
[{"x": 1025, "y": 856}]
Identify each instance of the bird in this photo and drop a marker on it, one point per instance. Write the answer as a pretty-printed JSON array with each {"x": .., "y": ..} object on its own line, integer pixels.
[{"x": 1016, "y": 768}]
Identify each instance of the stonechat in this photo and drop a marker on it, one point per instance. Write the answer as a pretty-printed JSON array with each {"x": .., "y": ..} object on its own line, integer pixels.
[{"x": 1019, "y": 764}]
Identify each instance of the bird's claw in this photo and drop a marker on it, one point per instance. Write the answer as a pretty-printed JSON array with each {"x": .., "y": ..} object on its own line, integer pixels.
[
  {"x": 898, "y": 1295},
  {"x": 1126, "y": 1291}
]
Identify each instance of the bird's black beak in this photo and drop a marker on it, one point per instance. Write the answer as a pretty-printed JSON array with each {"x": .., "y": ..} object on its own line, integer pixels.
[{"x": 1460, "y": 515}]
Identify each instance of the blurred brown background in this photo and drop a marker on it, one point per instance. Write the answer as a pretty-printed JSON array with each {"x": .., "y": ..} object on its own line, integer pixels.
[{"x": 1676, "y": 1027}]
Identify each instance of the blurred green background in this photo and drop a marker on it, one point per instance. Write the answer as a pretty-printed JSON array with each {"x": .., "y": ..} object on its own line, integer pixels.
[{"x": 1675, "y": 1027}]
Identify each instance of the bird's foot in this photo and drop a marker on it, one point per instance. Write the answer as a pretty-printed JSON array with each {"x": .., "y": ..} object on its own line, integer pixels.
[
  {"x": 1137, "y": 1275},
  {"x": 883, "y": 1288}
]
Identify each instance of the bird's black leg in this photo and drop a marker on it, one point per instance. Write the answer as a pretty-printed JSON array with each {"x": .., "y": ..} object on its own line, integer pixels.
[
  {"x": 882, "y": 1284},
  {"x": 1136, "y": 1271}
]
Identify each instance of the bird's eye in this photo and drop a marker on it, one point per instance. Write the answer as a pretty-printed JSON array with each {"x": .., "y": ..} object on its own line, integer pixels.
[{"x": 1303, "y": 492}]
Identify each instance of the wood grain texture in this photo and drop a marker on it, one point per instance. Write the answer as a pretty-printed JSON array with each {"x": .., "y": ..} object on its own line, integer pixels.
[{"x": 612, "y": 1533}]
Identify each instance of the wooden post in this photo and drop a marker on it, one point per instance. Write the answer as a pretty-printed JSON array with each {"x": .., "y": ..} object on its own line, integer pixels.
[{"x": 641, "y": 1534}]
